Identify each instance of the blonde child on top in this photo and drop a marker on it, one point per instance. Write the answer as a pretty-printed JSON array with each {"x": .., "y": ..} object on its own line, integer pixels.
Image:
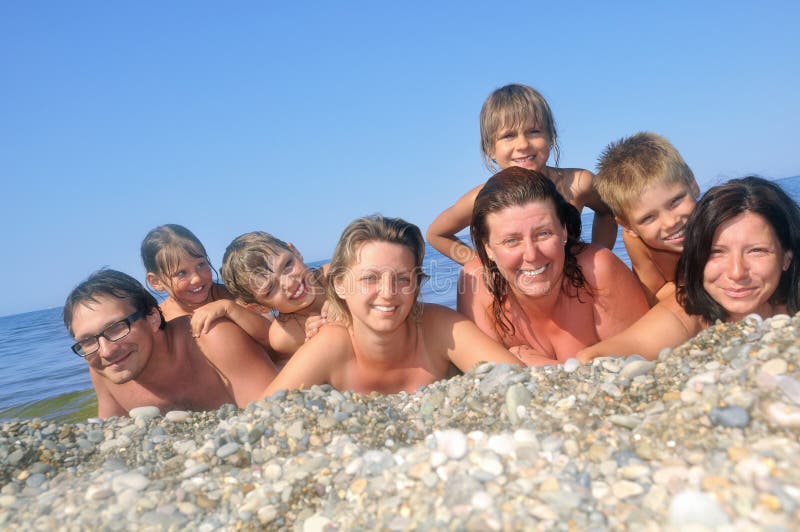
[
  {"x": 266, "y": 271},
  {"x": 652, "y": 192},
  {"x": 177, "y": 263},
  {"x": 518, "y": 129}
]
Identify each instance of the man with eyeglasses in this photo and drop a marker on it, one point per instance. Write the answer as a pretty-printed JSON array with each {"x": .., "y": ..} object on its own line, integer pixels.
[{"x": 135, "y": 358}]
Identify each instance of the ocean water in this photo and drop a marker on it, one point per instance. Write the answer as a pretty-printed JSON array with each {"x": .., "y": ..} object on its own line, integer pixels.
[{"x": 41, "y": 377}]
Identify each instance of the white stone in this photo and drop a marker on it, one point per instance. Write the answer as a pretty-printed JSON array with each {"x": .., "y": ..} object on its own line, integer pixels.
[
  {"x": 691, "y": 507},
  {"x": 144, "y": 412},
  {"x": 453, "y": 443}
]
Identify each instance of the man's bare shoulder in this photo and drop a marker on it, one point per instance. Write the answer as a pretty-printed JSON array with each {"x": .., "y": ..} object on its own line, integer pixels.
[
  {"x": 171, "y": 309},
  {"x": 222, "y": 337}
]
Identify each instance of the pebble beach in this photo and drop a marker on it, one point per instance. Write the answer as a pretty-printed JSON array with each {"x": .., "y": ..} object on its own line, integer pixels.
[{"x": 704, "y": 438}]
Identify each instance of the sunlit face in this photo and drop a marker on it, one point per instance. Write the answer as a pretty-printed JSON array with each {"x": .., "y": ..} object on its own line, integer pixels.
[
  {"x": 289, "y": 287},
  {"x": 745, "y": 265},
  {"x": 660, "y": 214},
  {"x": 380, "y": 288},
  {"x": 125, "y": 359},
  {"x": 526, "y": 146},
  {"x": 527, "y": 244},
  {"x": 190, "y": 284}
]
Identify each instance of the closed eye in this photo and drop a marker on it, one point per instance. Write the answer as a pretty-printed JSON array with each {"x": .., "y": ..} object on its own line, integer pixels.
[{"x": 677, "y": 200}]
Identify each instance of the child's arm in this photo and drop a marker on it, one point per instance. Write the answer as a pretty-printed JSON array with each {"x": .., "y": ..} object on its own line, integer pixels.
[
  {"x": 604, "y": 226},
  {"x": 315, "y": 323},
  {"x": 254, "y": 324},
  {"x": 644, "y": 266},
  {"x": 286, "y": 335},
  {"x": 441, "y": 233}
]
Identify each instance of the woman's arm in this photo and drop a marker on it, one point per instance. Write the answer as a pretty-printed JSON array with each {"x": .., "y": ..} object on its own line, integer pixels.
[
  {"x": 473, "y": 299},
  {"x": 315, "y": 362},
  {"x": 460, "y": 340},
  {"x": 644, "y": 266},
  {"x": 665, "y": 325},
  {"x": 441, "y": 233}
]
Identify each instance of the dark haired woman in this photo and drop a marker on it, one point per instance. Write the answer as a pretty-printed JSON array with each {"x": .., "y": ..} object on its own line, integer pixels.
[
  {"x": 738, "y": 259},
  {"x": 538, "y": 289}
]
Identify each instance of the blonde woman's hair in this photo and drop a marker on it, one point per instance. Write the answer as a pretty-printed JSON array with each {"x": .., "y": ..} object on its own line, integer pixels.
[{"x": 375, "y": 228}]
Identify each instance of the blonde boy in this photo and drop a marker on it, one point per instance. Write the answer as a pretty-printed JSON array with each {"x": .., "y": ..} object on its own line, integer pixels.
[
  {"x": 262, "y": 270},
  {"x": 652, "y": 192}
]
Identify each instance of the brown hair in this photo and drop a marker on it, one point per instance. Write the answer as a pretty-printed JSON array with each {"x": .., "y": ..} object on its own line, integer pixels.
[{"x": 516, "y": 186}]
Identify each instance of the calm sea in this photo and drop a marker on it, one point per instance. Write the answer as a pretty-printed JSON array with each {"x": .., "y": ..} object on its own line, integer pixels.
[{"x": 42, "y": 378}]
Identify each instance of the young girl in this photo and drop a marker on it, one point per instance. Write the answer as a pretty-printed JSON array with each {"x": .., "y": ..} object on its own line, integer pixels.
[
  {"x": 266, "y": 271},
  {"x": 177, "y": 263},
  {"x": 518, "y": 129},
  {"x": 384, "y": 339}
]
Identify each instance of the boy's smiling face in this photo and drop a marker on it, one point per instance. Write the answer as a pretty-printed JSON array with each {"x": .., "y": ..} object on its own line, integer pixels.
[{"x": 660, "y": 214}]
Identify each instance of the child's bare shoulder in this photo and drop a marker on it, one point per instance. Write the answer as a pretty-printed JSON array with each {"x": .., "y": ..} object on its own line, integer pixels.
[
  {"x": 643, "y": 256},
  {"x": 575, "y": 184},
  {"x": 286, "y": 333}
]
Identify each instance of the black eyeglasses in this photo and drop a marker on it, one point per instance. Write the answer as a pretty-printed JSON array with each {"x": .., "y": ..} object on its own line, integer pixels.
[{"x": 114, "y": 332}]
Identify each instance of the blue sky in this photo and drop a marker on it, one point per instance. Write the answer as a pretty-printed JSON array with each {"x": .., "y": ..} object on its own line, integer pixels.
[{"x": 231, "y": 117}]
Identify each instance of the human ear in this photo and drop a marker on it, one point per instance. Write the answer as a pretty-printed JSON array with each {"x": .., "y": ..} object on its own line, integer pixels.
[
  {"x": 154, "y": 319},
  {"x": 625, "y": 227},
  {"x": 339, "y": 286},
  {"x": 489, "y": 253},
  {"x": 787, "y": 259},
  {"x": 154, "y": 281}
]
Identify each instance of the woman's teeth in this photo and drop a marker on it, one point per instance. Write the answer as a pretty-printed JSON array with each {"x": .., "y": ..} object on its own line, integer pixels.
[{"x": 531, "y": 273}]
